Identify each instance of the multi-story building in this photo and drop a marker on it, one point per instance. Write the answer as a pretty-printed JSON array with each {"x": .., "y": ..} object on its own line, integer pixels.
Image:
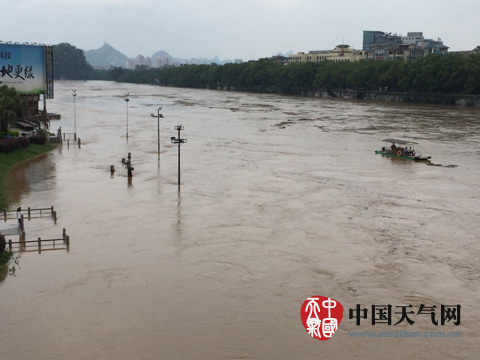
[
  {"x": 130, "y": 64},
  {"x": 140, "y": 60},
  {"x": 370, "y": 38},
  {"x": 385, "y": 46},
  {"x": 415, "y": 38},
  {"x": 342, "y": 53},
  {"x": 434, "y": 46},
  {"x": 148, "y": 61}
]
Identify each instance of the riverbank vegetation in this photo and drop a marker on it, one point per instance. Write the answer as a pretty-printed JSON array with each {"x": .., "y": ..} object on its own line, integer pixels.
[
  {"x": 4, "y": 256},
  {"x": 12, "y": 106},
  {"x": 15, "y": 149},
  {"x": 432, "y": 74},
  {"x": 70, "y": 64},
  {"x": 9, "y": 160},
  {"x": 440, "y": 74}
]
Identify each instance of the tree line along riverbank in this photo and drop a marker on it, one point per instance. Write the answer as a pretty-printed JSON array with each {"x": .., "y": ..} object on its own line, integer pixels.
[
  {"x": 444, "y": 79},
  {"x": 451, "y": 80}
]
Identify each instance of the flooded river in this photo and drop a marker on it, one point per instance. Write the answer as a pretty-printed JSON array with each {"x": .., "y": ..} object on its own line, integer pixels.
[{"x": 282, "y": 198}]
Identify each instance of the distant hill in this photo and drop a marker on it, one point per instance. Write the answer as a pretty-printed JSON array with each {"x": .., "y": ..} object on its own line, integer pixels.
[{"x": 106, "y": 56}]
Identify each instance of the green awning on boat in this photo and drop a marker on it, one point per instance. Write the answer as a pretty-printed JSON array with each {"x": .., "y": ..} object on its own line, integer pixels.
[{"x": 399, "y": 141}]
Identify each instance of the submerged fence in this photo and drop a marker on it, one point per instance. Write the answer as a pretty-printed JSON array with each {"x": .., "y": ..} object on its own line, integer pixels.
[
  {"x": 32, "y": 213},
  {"x": 55, "y": 244}
]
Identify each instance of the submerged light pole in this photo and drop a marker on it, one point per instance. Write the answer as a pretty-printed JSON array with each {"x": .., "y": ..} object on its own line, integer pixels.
[
  {"x": 158, "y": 116},
  {"x": 127, "y": 100},
  {"x": 74, "y": 94},
  {"x": 178, "y": 141}
]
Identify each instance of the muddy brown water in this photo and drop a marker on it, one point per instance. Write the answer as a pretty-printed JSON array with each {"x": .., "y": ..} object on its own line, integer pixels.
[{"x": 282, "y": 198}]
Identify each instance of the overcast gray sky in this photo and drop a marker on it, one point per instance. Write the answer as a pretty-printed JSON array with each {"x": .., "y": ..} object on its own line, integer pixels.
[{"x": 231, "y": 29}]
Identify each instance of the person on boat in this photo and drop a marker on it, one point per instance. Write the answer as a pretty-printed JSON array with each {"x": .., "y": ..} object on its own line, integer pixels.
[
  {"x": 412, "y": 151},
  {"x": 393, "y": 148},
  {"x": 405, "y": 151}
]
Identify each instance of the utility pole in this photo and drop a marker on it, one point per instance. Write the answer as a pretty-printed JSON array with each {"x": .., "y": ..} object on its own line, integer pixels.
[
  {"x": 127, "y": 100},
  {"x": 74, "y": 94},
  {"x": 158, "y": 116},
  {"x": 178, "y": 141}
]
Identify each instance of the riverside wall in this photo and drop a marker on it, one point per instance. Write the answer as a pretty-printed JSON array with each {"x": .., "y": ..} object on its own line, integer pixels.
[{"x": 444, "y": 99}]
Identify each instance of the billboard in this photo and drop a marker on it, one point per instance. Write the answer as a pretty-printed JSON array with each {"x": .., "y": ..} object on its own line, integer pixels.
[{"x": 23, "y": 67}]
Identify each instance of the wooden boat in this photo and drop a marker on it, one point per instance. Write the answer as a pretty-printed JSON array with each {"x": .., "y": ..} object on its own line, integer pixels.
[{"x": 404, "y": 150}]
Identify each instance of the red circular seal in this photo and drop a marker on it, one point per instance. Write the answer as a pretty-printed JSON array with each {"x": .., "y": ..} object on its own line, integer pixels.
[{"x": 321, "y": 316}]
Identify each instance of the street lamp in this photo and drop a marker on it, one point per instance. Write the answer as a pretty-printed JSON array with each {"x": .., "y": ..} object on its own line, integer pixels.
[
  {"x": 127, "y": 100},
  {"x": 74, "y": 94},
  {"x": 158, "y": 116},
  {"x": 178, "y": 141}
]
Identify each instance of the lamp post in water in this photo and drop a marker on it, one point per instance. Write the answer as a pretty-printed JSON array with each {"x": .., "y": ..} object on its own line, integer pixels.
[
  {"x": 178, "y": 141},
  {"x": 74, "y": 94},
  {"x": 127, "y": 100},
  {"x": 158, "y": 116}
]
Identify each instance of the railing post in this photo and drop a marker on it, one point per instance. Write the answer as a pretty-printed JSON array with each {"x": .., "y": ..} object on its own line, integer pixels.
[
  {"x": 39, "y": 245},
  {"x": 64, "y": 234},
  {"x": 10, "y": 245},
  {"x": 29, "y": 213},
  {"x": 54, "y": 215}
]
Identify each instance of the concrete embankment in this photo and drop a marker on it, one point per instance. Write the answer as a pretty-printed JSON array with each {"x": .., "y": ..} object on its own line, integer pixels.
[{"x": 444, "y": 99}]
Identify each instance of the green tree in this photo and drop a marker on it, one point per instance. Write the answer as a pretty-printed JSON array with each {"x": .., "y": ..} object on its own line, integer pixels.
[
  {"x": 12, "y": 106},
  {"x": 431, "y": 74},
  {"x": 70, "y": 64}
]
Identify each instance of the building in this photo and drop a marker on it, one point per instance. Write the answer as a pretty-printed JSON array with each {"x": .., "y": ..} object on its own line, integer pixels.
[
  {"x": 434, "y": 47},
  {"x": 370, "y": 38},
  {"x": 140, "y": 60},
  {"x": 341, "y": 53},
  {"x": 148, "y": 62},
  {"x": 279, "y": 59},
  {"x": 408, "y": 52},
  {"x": 130, "y": 64},
  {"x": 385, "y": 46},
  {"x": 415, "y": 38}
]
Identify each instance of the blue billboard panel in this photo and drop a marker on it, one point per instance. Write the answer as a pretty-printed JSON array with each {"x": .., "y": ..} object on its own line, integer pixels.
[{"x": 23, "y": 67}]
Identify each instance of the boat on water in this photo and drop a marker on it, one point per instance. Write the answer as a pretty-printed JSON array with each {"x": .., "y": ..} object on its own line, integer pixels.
[{"x": 403, "y": 149}]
